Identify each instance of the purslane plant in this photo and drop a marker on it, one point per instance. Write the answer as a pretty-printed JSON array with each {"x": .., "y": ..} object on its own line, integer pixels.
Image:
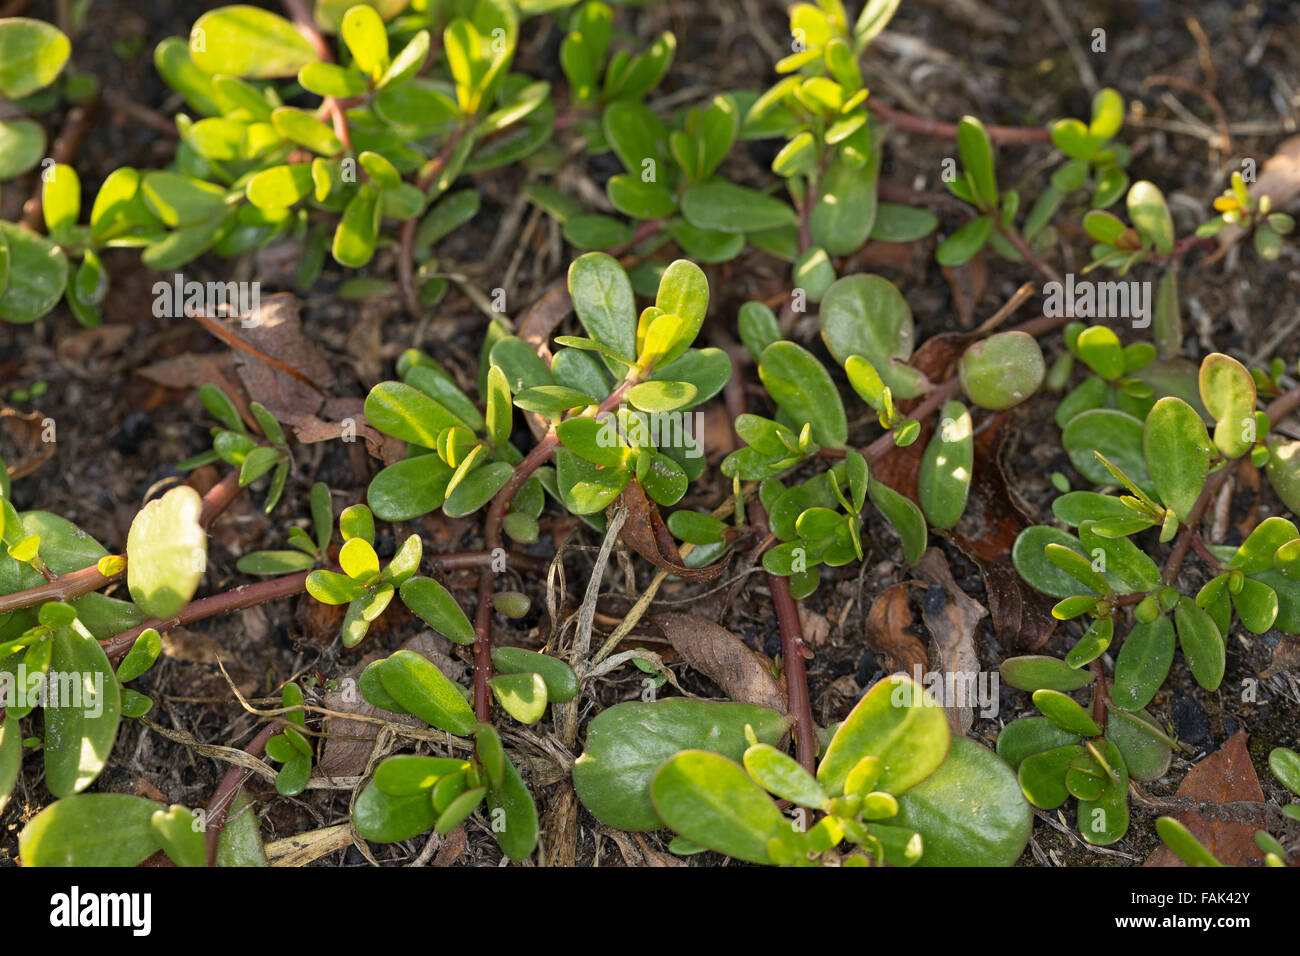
[
  {"x": 893, "y": 783},
  {"x": 245, "y": 174}
]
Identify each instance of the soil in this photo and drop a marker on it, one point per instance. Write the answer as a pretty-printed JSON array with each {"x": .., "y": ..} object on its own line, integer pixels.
[{"x": 120, "y": 434}]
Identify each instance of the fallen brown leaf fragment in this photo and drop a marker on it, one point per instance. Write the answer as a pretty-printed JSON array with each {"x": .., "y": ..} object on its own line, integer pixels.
[
  {"x": 647, "y": 535},
  {"x": 1225, "y": 776},
  {"x": 952, "y": 616},
  {"x": 277, "y": 331},
  {"x": 887, "y": 631},
  {"x": 742, "y": 673}
]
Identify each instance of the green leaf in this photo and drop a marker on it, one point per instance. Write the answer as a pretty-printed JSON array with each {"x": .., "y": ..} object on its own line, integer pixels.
[
  {"x": 1228, "y": 392},
  {"x": 721, "y": 206},
  {"x": 661, "y": 396},
  {"x": 22, "y": 144},
  {"x": 1065, "y": 713},
  {"x": 803, "y": 388},
  {"x": 32, "y": 54},
  {"x": 436, "y": 606},
  {"x": 1137, "y": 736},
  {"x": 180, "y": 200},
  {"x": 240, "y": 842},
  {"x": 977, "y": 160},
  {"x": 422, "y": 690},
  {"x": 60, "y": 199},
  {"x": 93, "y": 829},
  {"x": 561, "y": 682},
  {"x": 397, "y": 409},
  {"x": 780, "y": 774},
  {"x": 1143, "y": 663},
  {"x": 179, "y": 835},
  {"x": 279, "y": 187},
  {"x": 1183, "y": 843},
  {"x": 81, "y": 727},
  {"x": 1124, "y": 562},
  {"x": 945, "y": 475},
  {"x": 1285, "y": 764},
  {"x": 1042, "y": 775},
  {"x": 522, "y": 696},
  {"x": 711, "y": 801},
  {"x": 684, "y": 292},
  {"x": 1034, "y": 672},
  {"x": 844, "y": 213},
  {"x": 1201, "y": 642},
  {"x": 551, "y": 399},
  {"x": 1150, "y": 216},
  {"x": 1114, "y": 434},
  {"x": 960, "y": 247},
  {"x": 518, "y": 837},
  {"x": 382, "y": 818},
  {"x": 141, "y": 657},
  {"x": 451, "y": 212},
  {"x": 626, "y": 743},
  {"x": 1072, "y": 138},
  {"x": 1177, "y": 449},
  {"x": 1100, "y": 349},
  {"x": 969, "y": 812},
  {"x": 1105, "y": 820},
  {"x": 250, "y": 42},
  {"x": 1027, "y": 736},
  {"x": 358, "y": 230},
  {"x": 11, "y": 756},
  {"x": 1003, "y": 370},
  {"x": 905, "y": 517},
  {"x": 896, "y": 721},
  {"x": 363, "y": 32},
  {"x": 166, "y": 552},
  {"x": 866, "y": 315},
  {"x": 405, "y": 775},
  {"x": 1257, "y": 605},
  {"x": 603, "y": 301},
  {"x": 896, "y": 223},
  {"x": 476, "y": 489},
  {"x": 37, "y": 274},
  {"x": 408, "y": 489}
]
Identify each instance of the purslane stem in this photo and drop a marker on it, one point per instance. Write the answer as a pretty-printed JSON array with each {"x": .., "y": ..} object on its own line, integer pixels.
[{"x": 539, "y": 456}]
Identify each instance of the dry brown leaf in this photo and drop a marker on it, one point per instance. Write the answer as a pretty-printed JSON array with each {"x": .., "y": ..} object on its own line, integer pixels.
[
  {"x": 952, "y": 616},
  {"x": 1225, "y": 776},
  {"x": 743, "y": 674},
  {"x": 278, "y": 332},
  {"x": 1286, "y": 657},
  {"x": 647, "y": 535},
  {"x": 191, "y": 370},
  {"x": 29, "y": 431},
  {"x": 348, "y": 743},
  {"x": 887, "y": 635}
]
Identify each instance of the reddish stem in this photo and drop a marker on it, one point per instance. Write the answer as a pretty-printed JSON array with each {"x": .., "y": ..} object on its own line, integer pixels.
[
  {"x": 229, "y": 787},
  {"x": 75, "y": 584},
  {"x": 540, "y": 454},
  {"x": 236, "y": 599},
  {"x": 910, "y": 123}
]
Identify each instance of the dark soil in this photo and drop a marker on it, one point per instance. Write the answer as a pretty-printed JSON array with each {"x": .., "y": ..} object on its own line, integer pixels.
[{"x": 119, "y": 435}]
